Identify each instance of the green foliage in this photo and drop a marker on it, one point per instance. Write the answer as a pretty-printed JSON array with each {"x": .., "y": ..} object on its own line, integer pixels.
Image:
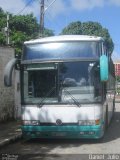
[
  {"x": 89, "y": 28},
  {"x": 118, "y": 78},
  {"x": 2, "y": 22},
  {"x": 24, "y": 23},
  {"x": 18, "y": 38},
  {"x": 73, "y": 29},
  {"x": 2, "y": 39},
  {"x": 2, "y": 18},
  {"x": 48, "y": 33}
]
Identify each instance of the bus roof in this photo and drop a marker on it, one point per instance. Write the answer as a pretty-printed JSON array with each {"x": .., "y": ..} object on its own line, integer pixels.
[{"x": 62, "y": 38}]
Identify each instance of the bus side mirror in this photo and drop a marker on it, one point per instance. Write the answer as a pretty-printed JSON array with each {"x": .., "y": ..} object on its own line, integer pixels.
[
  {"x": 104, "y": 68},
  {"x": 8, "y": 72}
]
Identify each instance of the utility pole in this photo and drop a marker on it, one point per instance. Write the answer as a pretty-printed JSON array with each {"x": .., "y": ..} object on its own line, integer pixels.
[
  {"x": 41, "y": 18},
  {"x": 42, "y": 12},
  {"x": 7, "y": 31}
]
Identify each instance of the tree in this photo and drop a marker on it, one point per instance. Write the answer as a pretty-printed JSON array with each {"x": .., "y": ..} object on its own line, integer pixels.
[
  {"x": 18, "y": 38},
  {"x": 73, "y": 28},
  {"x": 47, "y": 32},
  {"x": 2, "y": 23},
  {"x": 24, "y": 23},
  {"x": 90, "y": 28},
  {"x": 95, "y": 28},
  {"x": 2, "y": 39}
]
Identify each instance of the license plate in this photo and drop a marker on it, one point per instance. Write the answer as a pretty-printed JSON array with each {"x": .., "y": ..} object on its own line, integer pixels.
[
  {"x": 59, "y": 134},
  {"x": 87, "y": 133}
]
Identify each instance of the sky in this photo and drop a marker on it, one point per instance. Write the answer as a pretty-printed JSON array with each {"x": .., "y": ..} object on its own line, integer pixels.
[{"x": 63, "y": 12}]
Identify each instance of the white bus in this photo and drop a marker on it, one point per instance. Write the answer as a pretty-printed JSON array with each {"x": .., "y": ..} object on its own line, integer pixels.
[{"x": 67, "y": 87}]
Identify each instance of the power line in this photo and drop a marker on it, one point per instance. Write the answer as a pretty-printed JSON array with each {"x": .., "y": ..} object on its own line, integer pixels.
[
  {"x": 49, "y": 5},
  {"x": 43, "y": 9},
  {"x": 25, "y": 7},
  {"x": 50, "y": 17}
]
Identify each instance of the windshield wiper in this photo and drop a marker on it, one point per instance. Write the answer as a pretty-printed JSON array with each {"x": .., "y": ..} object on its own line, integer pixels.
[
  {"x": 46, "y": 96},
  {"x": 73, "y": 98}
]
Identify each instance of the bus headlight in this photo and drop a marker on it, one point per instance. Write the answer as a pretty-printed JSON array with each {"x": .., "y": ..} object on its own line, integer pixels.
[
  {"x": 86, "y": 122},
  {"x": 31, "y": 122}
]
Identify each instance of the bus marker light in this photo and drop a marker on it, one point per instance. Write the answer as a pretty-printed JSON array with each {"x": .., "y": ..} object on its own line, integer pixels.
[{"x": 97, "y": 122}]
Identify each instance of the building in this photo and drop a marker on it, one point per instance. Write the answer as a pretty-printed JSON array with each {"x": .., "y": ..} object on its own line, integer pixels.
[{"x": 117, "y": 67}]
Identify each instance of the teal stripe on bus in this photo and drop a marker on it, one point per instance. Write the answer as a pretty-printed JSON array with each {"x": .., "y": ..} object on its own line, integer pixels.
[{"x": 62, "y": 131}]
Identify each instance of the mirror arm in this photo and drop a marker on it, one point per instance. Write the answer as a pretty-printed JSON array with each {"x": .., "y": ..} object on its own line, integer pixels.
[{"x": 8, "y": 72}]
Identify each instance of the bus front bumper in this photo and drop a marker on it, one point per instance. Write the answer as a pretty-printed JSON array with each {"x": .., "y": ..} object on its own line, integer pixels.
[{"x": 66, "y": 132}]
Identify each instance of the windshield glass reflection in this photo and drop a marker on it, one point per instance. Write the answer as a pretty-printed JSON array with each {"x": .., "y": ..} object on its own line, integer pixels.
[{"x": 66, "y": 82}]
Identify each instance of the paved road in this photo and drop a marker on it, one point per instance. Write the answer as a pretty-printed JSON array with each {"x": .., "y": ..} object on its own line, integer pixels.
[{"x": 110, "y": 144}]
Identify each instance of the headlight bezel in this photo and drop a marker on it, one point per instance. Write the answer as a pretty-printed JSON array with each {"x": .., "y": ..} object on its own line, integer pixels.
[
  {"x": 86, "y": 122},
  {"x": 31, "y": 122}
]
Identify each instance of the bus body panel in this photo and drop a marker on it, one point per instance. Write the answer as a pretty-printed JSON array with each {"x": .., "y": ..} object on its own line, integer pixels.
[
  {"x": 69, "y": 116},
  {"x": 66, "y": 132},
  {"x": 67, "y": 113}
]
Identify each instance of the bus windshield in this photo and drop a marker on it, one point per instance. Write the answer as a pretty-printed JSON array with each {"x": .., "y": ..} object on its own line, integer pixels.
[
  {"x": 61, "y": 50},
  {"x": 63, "y": 82}
]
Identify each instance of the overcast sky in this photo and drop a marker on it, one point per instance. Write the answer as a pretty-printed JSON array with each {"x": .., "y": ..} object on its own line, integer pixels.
[{"x": 63, "y": 12}]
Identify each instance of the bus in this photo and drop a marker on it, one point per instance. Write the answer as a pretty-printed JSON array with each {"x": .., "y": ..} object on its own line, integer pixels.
[{"x": 67, "y": 87}]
